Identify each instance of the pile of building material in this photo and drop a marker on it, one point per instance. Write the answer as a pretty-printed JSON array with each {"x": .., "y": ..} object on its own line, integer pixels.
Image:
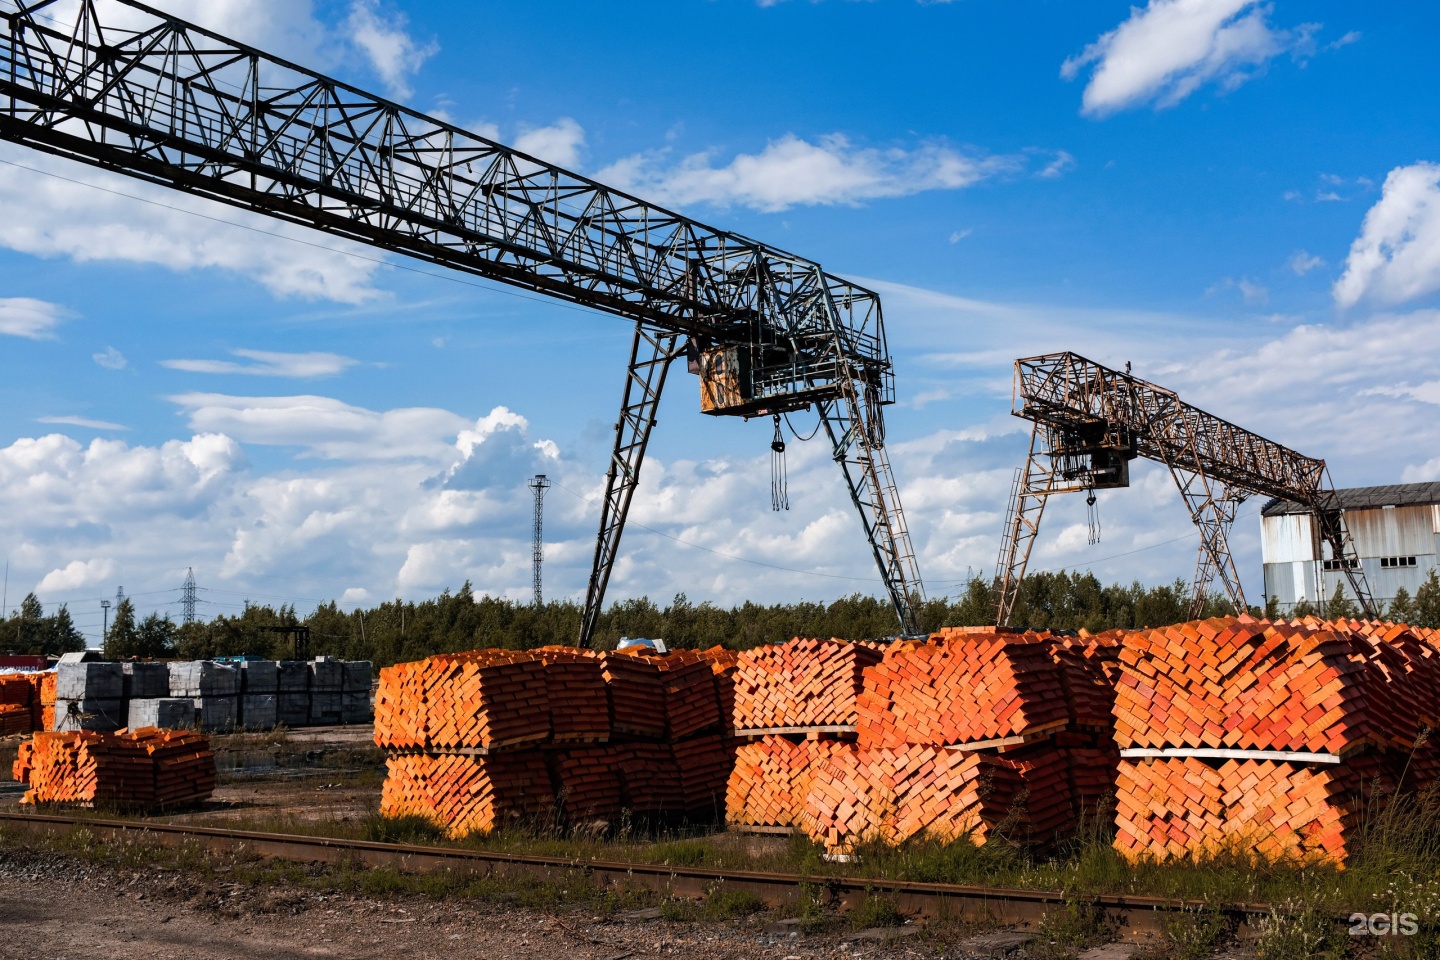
[
  {"x": 22, "y": 701},
  {"x": 969, "y": 732},
  {"x": 146, "y": 769},
  {"x": 469, "y": 735},
  {"x": 1272, "y": 738},
  {"x": 209, "y": 695},
  {"x": 804, "y": 683}
]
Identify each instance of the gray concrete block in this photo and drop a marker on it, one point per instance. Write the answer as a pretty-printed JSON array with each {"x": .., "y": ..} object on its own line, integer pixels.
[
  {"x": 258, "y": 710},
  {"x": 203, "y": 678},
  {"x": 216, "y": 714},
  {"x": 327, "y": 675},
  {"x": 325, "y": 708},
  {"x": 293, "y": 709},
  {"x": 294, "y": 676},
  {"x": 90, "y": 714},
  {"x": 355, "y": 676},
  {"x": 259, "y": 676},
  {"x": 169, "y": 713},
  {"x": 355, "y": 707},
  {"x": 89, "y": 681},
  {"x": 146, "y": 681}
]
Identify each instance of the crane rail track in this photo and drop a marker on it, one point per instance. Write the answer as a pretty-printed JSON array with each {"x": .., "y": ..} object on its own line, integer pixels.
[{"x": 1132, "y": 914}]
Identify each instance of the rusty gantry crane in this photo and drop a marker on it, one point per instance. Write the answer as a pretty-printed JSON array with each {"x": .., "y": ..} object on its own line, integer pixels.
[
  {"x": 142, "y": 93},
  {"x": 1091, "y": 421}
]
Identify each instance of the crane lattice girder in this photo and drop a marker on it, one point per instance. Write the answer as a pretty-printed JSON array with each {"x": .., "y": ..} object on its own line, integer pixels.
[
  {"x": 1078, "y": 405},
  {"x": 171, "y": 102},
  {"x": 1072, "y": 393},
  {"x": 162, "y": 100}
]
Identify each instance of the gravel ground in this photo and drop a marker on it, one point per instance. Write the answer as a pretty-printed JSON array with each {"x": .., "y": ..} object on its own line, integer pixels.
[{"x": 60, "y": 909}]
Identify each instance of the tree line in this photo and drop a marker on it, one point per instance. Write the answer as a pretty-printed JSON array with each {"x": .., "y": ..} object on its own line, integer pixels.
[{"x": 403, "y": 630}]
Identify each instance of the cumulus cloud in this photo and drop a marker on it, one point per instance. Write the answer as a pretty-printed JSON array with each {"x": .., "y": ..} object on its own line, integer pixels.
[
  {"x": 29, "y": 318},
  {"x": 560, "y": 143},
  {"x": 383, "y": 38},
  {"x": 269, "y": 364},
  {"x": 1302, "y": 262},
  {"x": 1396, "y": 257},
  {"x": 76, "y": 574},
  {"x": 1169, "y": 49},
  {"x": 792, "y": 171},
  {"x": 55, "y": 208}
]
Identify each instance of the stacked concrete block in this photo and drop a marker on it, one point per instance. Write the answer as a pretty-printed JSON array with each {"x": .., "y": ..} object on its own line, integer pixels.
[
  {"x": 327, "y": 685},
  {"x": 89, "y": 696},
  {"x": 292, "y": 701},
  {"x": 259, "y": 694},
  {"x": 167, "y": 713},
  {"x": 146, "y": 681},
  {"x": 214, "y": 688},
  {"x": 355, "y": 692}
]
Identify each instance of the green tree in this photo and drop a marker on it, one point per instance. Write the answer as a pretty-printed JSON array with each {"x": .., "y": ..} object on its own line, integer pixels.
[
  {"x": 1340, "y": 606},
  {"x": 155, "y": 637},
  {"x": 1427, "y": 602},
  {"x": 1402, "y": 607},
  {"x": 123, "y": 638},
  {"x": 61, "y": 635}
]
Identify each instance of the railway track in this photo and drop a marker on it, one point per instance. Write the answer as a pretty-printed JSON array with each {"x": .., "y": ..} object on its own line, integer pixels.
[{"x": 1133, "y": 915}]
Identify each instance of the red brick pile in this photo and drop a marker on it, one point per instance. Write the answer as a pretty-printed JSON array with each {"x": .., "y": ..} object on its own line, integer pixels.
[
  {"x": 23, "y": 702},
  {"x": 802, "y": 683},
  {"x": 476, "y": 739},
  {"x": 1346, "y": 704},
  {"x": 146, "y": 769}
]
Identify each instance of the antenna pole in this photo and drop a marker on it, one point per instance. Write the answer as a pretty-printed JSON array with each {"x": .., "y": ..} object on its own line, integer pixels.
[{"x": 537, "y": 549}]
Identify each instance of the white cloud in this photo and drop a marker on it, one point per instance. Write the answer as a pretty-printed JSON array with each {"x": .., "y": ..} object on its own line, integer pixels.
[
  {"x": 89, "y": 215},
  {"x": 110, "y": 359},
  {"x": 269, "y": 364},
  {"x": 959, "y": 235},
  {"x": 83, "y": 422},
  {"x": 1058, "y": 167},
  {"x": 1396, "y": 257},
  {"x": 560, "y": 143},
  {"x": 29, "y": 318},
  {"x": 395, "y": 55},
  {"x": 325, "y": 427},
  {"x": 76, "y": 574},
  {"x": 1170, "y": 48},
  {"x": 791, "y": 171},
  {"x": 1302, "y": 262}
]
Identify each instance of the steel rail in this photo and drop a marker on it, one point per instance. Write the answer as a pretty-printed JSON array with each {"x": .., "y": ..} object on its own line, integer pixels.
[{"x": 1004, "y": 905}]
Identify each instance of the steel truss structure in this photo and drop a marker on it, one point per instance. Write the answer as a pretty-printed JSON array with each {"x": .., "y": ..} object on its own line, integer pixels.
[
  {"x": 1091, "y": 421},
  {"x": 142, "y": 93}
]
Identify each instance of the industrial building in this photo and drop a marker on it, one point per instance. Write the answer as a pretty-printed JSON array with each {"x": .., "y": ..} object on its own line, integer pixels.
[{"x": 1395, "y": 529}]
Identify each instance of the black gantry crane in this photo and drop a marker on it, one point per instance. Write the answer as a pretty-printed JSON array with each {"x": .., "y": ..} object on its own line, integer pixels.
[
  {"x": 165, "y": 101},
  {"x": 1091, "y": 421}
]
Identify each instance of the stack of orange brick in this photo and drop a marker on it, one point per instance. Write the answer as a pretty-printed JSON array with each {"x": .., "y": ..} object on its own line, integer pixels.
[
  {"x": 802, "y": 683},
  {"x": 1343, "y": 706},
  {"x": 17, "y": 695},
  {"x": 770, "y": 779},
  {"x": 146, "y": 769},
  {"x": 624, "y": 730}
]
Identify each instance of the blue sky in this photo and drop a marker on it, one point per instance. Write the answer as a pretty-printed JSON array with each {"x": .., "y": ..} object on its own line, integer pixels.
[{"x": 1240, "y": 198}]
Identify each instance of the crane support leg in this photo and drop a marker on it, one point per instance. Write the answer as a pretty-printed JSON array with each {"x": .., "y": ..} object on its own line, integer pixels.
[
  {"x": 650, "y": 355},
  {"x": 1027, "y": 504},
  {"x": 860, "y": 452},
  {"x": 1212, "y": 507}
]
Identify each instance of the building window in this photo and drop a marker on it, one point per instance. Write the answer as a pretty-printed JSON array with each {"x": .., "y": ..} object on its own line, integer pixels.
[
  {"x": 1344, "y": 563},
  {"x": 1388, "y": 562}
]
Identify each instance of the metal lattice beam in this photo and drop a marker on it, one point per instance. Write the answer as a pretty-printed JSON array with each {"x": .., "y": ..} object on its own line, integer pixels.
[
  {"x": 1083, "y": 411},
  {"x": 153, "y": 97}
]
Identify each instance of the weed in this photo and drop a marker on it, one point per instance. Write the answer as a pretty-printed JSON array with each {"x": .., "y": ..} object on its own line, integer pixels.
[
  {"x": 1300, "y": 932},
  {"x": 875, "y": 911},
  {"x": 1195, "y": 934},
  {"x": 1074, "y": 925}
]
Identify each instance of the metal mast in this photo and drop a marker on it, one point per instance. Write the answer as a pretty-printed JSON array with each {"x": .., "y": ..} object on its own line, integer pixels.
[
  {"x": 539, "y": 484},
  {"x": 1091, "y": 421},
  {"x": 768, "y": 332},
  {"x": 187, "y": 597}
]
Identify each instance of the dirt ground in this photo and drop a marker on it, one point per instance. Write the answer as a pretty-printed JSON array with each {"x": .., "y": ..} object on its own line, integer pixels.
[{"x": 59, "y": 909}]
